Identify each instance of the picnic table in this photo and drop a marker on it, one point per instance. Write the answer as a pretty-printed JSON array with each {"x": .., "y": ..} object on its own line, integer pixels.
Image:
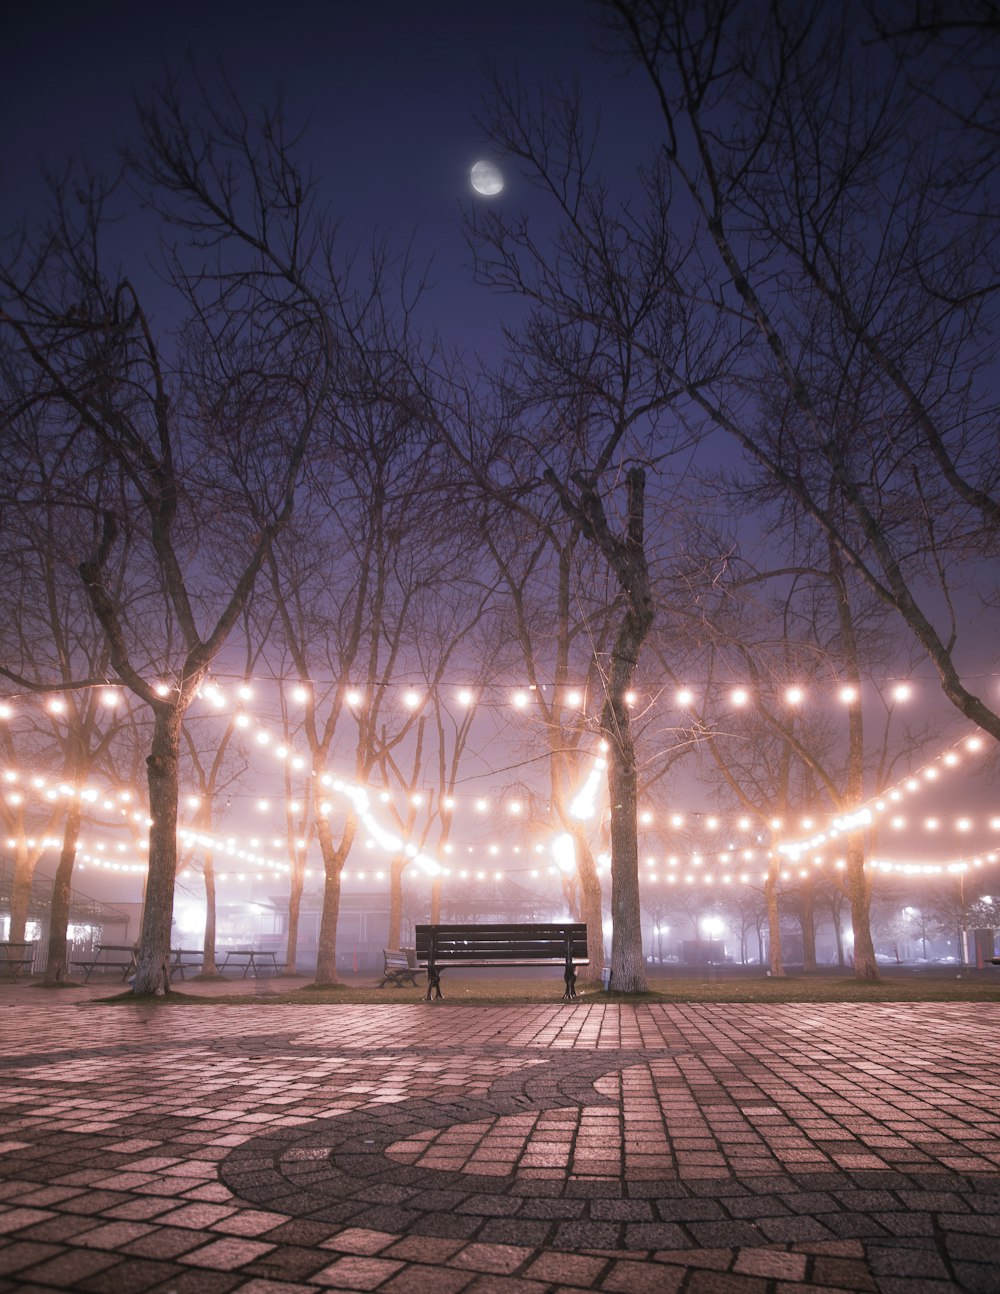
[
  {"x": 16, "y": 957},
  {"x": 252, "y": 959},
  {"x": 183, "y": 960},
  {"x": 108, "y": 957}
]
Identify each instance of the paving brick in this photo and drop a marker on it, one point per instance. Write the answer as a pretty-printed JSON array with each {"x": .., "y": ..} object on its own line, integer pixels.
[
  {"x": 290, "y": 1262},
  {"x": 133, "y": 1276},
  {"x": 566, "y": 1269},
  {"x": 25, "y": 1253},
  {"x": 421, "y": 1280},
  {"x": 357, "y": 1273},
  {"x": 630, "y": 1277},
  {"x": 360, "y": 1240},
  {"x": 224, "y": 1255},
  {"x": 492, "y": 1258},
  {"x": 261, "y": 1285},
  {"x": 725, "y": 1283},
  {"x": 165, "y": 1243},
  {"x": 507, "y": 1285},
  {"x": 199, "y": 1282},
  {"x": 848, "y": 1273},
  {"x": 67, "y": 1270}
]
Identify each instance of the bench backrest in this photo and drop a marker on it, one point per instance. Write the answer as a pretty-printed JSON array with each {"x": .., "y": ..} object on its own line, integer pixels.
[{"x": 503, "y": 943}]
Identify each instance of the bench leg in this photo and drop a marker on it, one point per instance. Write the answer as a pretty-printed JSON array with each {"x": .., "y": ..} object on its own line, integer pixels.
[
  {"x": 433, "y": 983},
  {"x": 569, "y": 975}
]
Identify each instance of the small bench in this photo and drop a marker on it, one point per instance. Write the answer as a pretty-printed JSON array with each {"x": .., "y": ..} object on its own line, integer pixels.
[
  {"x": 400, "y": 966},
  {"x": 551, "y": 944},
  {"x": 109, "y": 957},
  {"x": 15, "y": 958},
  {"x": 183, "y": 960}
]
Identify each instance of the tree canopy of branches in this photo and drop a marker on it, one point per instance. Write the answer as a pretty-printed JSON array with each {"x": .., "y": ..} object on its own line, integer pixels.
[{"x": 183, "y": 451}]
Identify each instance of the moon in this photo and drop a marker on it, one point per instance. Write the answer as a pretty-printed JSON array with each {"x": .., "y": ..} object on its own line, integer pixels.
[{"x": 487, "y": 178}]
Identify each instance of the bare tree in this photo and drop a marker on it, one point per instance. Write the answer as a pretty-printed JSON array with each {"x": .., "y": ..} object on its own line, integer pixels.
[
  {"x": 841, "y": 276},
  {"x": 171, "y": 450},
  {"x": 562, "y": 631},
  {"x": 346, "y": 584},
  {"x": 52, "y": 650},
  {"x": 213, "y": 767},
  {"x": 422, "y": 761}
]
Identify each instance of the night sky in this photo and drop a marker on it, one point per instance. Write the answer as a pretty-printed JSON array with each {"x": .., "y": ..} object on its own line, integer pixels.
[{"x": 389, "y": 92}]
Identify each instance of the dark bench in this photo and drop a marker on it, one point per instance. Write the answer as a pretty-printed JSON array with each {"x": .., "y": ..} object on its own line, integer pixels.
[
  {"x": 109, "y": 957},
  {"x": 563, "y": 944},
  {"x": 400, "y": 966},
  {"x": 15, "y": 958},
  {"x": 183, "y": 960}
]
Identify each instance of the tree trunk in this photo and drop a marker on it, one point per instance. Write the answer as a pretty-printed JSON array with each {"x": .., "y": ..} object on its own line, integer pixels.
[
  {"x": 838, "y": 933},
  {"x": 626, "y": 556},
  {"x": 628, "y": 970},
  {"x": 808, "y": 920},
  {"x": 333, "y": 866},
  {"x": 57, "y": 968},
  {"x": 296, "y": 883},
  {"x": 396, "y": 868},
  {"x": 865, "y": 965},
  {"x": 571, "y": 893},
  {"x": 436, "y": 901},
  {"x": 208, "y": 966},
  {"x": 591, "y": 907},
  {"x": 152, "y": 963},
  {"x": 20, "y": 898},
  {"x": 773, "y": 919}
]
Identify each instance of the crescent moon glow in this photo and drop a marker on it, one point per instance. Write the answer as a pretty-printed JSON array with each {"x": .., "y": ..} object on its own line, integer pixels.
[{"x": 487, "y": 178}]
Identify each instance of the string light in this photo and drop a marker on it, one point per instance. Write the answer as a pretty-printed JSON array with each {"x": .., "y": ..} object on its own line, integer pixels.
[
  {"x": 950, "y": 759},
  {"x": 897, "y": 691}
]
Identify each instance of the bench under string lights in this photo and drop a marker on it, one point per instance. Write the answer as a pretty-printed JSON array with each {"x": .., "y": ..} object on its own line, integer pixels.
[{"x": 551, "y": 944}]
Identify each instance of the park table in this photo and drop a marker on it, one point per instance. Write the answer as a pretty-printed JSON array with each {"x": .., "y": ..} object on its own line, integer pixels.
[{"x": 251, "y": 959}]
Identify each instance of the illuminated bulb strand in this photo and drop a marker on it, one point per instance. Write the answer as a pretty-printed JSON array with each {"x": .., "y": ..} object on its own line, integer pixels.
[
  {"x": 585, "y": 802},
  {"x": 518, "y": 697},
  {"x": 670, "y": 878},
  {"x": 582, "y": 806},
  {"x": 23, "y": 784},
  {"x": 927, "y": 774}
]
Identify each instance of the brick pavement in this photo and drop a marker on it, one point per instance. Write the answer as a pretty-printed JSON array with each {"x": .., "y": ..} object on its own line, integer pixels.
[{"x": 726, "y": 1149}]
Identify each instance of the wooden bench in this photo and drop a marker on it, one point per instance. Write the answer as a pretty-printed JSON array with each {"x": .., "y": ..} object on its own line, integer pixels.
[
  {"x": 183, "y": 960},
  {"x": 399, "y": 966},
  {"x": 15, "y": 958},
  {"x": 555, "y": 944},
  {"x": 109, "y": 957}
]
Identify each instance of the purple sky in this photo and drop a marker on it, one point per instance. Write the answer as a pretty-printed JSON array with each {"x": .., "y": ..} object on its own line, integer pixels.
[{"x": 390, "y": 91}]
